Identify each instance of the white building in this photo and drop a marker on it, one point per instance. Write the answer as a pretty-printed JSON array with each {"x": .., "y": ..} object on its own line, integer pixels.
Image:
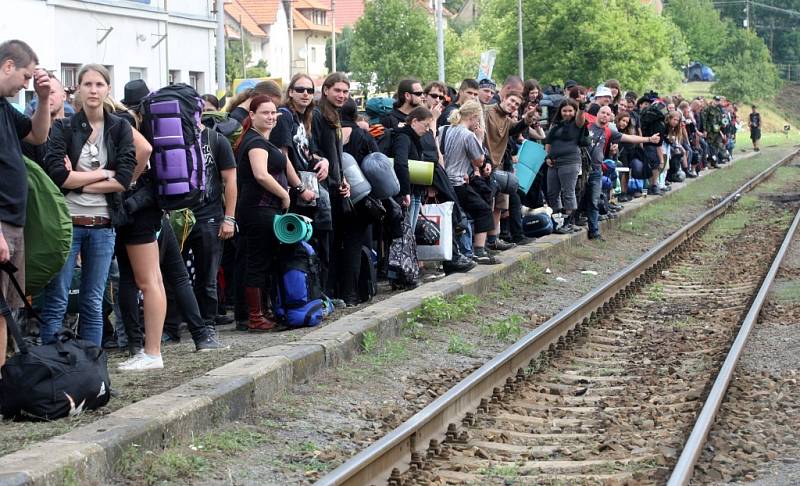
[
  {"x": 266, "y": 29},
  {"x": 160, "y": 41}
]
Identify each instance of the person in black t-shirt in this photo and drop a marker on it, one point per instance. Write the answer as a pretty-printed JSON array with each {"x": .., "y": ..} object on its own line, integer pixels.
[
  {"x": 755, "y": 128},
  {"x": 17, "y": 67},
  {"x": 215, "y": 221}
]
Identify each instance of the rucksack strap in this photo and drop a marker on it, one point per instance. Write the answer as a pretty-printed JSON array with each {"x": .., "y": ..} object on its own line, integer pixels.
[{"x": 5, "y": 310}]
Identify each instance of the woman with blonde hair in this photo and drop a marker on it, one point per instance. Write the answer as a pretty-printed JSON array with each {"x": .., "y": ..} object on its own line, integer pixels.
[
  {"x": 461, "y": 142},
  {"x": 99, "y": 146}
]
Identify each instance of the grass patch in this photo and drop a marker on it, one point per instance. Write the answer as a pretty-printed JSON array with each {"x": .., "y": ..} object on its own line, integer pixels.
[
  {"x": 171, "y": 466},
  {"x": 787, "y": 291},
  {"x": 180, "y": 462},
  {"x": 369, "y": 341},
  {"x": 458, "y": 345},
  {"x": 684, "y": 323},
  {"x": 656, "y": 292},
  {"x": 507, "y": 472},
  {"x": 533, "y": 272},
  {"x": 438, "y": 310},
  {"x": 239, "y": 439},
  {"x": 506, "y": 329}
]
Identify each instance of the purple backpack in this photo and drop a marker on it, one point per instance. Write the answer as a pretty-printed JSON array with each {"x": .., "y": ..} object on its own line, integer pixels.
[{"x": 171, "y": 123}]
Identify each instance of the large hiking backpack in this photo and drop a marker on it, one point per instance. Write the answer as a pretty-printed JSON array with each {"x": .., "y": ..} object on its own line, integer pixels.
[
  {"x": 48, "y": 229},
  {"x": 653, "y": 119},
  {"x": 222, "y": 123},
  {"x": 378, "y": 107},
  {"x": 171, "y": 123},
  {"x": 298, "y": 301}
]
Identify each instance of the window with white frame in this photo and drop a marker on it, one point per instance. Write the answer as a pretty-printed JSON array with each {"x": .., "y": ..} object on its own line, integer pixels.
[
  {"x": 69, "y": 75},
  {"x": 137, "y": 73},
  {"x": 196, "y": 80}
]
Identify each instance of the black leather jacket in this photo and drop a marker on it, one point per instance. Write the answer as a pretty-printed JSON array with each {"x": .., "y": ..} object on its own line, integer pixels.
[{"x": 69, "y": 135}]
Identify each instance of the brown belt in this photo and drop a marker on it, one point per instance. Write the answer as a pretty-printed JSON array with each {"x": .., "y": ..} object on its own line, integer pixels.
[{"x": 92, "y": 221}]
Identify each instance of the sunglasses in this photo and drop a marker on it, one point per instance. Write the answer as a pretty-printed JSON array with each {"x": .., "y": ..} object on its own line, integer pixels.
[
  {"x": 303, "y": 90},
  {"x": 435, "y": 96},
  {"x": 418, "y": 93}
]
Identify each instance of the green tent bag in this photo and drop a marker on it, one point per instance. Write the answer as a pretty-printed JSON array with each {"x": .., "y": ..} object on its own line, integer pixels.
[{"x": 48, "y": 230}]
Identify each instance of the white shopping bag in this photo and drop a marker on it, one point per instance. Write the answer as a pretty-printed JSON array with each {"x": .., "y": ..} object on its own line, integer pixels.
[{"x": 442, "y": 216}]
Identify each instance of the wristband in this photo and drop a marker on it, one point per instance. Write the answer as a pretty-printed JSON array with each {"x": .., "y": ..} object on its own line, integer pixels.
[{"x": 230, "y": 219}]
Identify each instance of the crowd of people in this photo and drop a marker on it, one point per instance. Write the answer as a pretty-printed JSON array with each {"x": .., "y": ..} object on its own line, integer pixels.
[{"x": 269, "y": 151}]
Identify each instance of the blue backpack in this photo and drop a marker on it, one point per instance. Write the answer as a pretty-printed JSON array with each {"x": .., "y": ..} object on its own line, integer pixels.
[{"x": 299, "y": 299}]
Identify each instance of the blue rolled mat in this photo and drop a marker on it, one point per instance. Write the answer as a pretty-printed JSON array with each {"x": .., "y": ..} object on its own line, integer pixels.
[{"x": 292, "y": 228}]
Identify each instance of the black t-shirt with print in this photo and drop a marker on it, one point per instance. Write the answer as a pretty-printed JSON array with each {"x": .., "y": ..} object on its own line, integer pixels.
[
  {"x": 14, "y": 126},
  {"x": 755, "y": 120},
  {"x": 219, "y": 156}
]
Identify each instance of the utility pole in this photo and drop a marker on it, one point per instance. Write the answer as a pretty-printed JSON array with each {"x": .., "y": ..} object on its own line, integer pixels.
[
  {"x": 440, "y": 38},
  {"x": 290, "y": 10},
  {"x": 244, "y": 61},
  {"x": 220, "y": 7},
  {"x": 333, "y": 36},
  {"x": 519, "y": 40},
  {"x": 747, "y": 14}
]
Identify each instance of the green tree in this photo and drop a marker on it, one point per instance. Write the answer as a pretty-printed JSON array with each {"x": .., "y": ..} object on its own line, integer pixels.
[
  {"x": 259, "y": 70},
  {"x": 462, "y": 54},
  {"x": 344, "y": 44},
  {"x": 394, "y": 39},
  {"x": 702, "y": 26},
  {"x": 748, "y": 73},
  {"x": 586, "y": 40},
  {"x": 234, "y": 59}
]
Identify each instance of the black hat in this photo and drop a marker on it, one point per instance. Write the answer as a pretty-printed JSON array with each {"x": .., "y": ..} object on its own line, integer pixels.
[
  {"x": 570, "y": 83},
  {"x": 135, "y": 92},
  {"x": 487, "y": 83}
]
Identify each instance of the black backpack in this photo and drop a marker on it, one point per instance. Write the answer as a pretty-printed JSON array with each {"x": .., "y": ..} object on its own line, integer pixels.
[
  {"x": 367, "y": 276},
  {"x": 653, "y": 119},
  {"x": 51, "y": 381}
]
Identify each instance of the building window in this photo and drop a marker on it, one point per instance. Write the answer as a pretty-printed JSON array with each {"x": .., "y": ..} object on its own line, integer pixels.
[
  {"x": 196, "y": 81},
  {"x": 174, "y": 76},
  {"x": 137, "y": 73},
  {"x": 69, "y": 75},
  {"x": 313, "y": 54}
]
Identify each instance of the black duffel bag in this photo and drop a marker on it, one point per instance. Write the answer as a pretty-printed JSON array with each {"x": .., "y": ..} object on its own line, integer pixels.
[{"x": 51, "y": 381}]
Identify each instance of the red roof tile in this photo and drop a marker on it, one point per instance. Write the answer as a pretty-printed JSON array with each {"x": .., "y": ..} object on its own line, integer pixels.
[
  {"x": 265, "y": 12},
  {"x": 347, "y": 11},
  {"x": 237, "y": 13}
]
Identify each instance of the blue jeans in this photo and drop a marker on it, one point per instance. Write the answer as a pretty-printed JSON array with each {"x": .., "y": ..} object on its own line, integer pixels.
[
  {"x": 413, "y": 211},
  {"x": 465, "y": 241},
  {"x": 593, "y": 189},
  {"x": 96, "y": 247}
]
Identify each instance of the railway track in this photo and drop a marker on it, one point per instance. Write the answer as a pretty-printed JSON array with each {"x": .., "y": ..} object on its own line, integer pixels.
[{"x": 606, "y": 391}]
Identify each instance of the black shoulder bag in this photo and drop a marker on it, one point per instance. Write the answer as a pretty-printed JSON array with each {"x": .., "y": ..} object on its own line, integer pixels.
[{"x": 54, "y": 380}]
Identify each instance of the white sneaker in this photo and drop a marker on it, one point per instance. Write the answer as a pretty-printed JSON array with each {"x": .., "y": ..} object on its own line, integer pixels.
[
  {"x": 130, "y": 360},
  {"x": 142, "y": 362}
]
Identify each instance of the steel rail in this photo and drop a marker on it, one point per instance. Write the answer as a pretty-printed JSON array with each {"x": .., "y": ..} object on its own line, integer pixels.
[
  {"x": 684, "y": 469},
  {"x": 374, "y": 464}
]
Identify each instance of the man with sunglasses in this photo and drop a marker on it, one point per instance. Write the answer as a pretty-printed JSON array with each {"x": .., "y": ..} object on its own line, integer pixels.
[{"x": 409, "y": 96}]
